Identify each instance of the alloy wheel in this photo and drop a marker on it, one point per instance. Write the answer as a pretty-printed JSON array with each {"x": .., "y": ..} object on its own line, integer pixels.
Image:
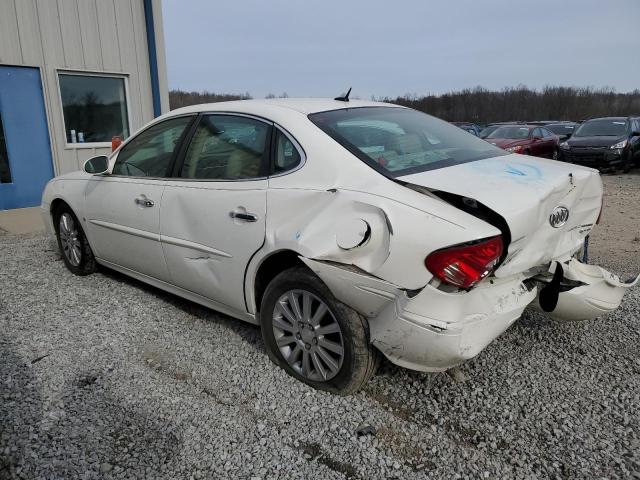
[
  {"x": 308, "y": 335},
  {"x": 71, "y": 247}
]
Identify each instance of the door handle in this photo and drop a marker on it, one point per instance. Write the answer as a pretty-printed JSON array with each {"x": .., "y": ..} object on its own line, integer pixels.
[
  {"x": 247, "y": 217},
  {"x": 143, "y": 201}
]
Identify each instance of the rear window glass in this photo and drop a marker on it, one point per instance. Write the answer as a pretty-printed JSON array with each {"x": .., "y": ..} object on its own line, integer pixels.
[{"x": 401, "y": 141}]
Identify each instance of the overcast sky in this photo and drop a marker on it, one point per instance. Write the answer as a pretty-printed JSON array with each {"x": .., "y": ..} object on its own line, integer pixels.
[{"x": 394, "y": 47}]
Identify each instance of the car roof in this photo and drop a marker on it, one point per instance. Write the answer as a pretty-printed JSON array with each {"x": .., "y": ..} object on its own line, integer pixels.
[
  {"x": 301, "y": 105},
  {"x": 613, "y": 119}
]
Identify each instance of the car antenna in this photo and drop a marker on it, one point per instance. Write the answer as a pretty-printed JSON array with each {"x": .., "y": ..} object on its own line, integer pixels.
[{"x": 344, "y": 98}]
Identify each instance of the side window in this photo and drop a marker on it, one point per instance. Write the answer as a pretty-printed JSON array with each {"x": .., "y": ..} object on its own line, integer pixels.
[
  {"x": 225, "y": 147},
  {"x": 287, "y": 155},
  {"x": 546, "y": 133},
  {"x": 536, "y": 133},
  {"x": 149, "y": 154}
]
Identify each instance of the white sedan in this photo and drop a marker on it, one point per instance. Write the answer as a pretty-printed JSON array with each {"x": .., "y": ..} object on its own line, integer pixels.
[{"x": 342, "y": 228}]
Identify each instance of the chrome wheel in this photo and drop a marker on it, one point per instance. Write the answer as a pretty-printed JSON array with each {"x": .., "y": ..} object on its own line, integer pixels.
[
  {"x": 71, "y": 247},
  {"x": 308, "y": 335}
]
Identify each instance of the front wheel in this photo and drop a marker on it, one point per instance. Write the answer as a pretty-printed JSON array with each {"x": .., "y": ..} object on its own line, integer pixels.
[
  {"x": 314, "y": 337},
  {"x": 626, "y": 163},
  {"x": 73, "y": 244}
]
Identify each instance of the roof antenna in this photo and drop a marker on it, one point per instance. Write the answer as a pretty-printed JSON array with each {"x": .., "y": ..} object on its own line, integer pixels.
[{"x": 344, "y": 98}]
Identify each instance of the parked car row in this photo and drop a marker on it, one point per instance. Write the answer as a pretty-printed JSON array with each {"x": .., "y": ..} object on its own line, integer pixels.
[{"x": 603, "y": 143}]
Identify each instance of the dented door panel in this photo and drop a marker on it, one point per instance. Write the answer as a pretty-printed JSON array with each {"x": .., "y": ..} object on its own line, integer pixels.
[{"x": 205, "y": 248}]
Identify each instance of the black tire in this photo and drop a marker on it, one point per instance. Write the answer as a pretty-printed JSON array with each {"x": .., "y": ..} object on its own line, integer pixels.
[
  {"x": 360, "y": 358},
  {"x": 527, "y": 152},
  {"x": 555, "y": 155},
  {"x": 87, "y": 264},
  {"x": 626, "y": 163}
]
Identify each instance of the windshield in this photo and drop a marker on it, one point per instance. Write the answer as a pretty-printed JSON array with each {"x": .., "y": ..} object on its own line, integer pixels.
[
  {"x": 560, "y": 129},
  {"x": 602, "y": 128},
  {"x": 400, "y": 141},
  {"x": 512, "y": 133},
  {"x": 485, "y": 132}
]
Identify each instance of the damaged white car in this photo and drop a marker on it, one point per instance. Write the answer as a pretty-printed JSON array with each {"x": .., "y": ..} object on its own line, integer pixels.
[{"x": 343, "y": 228}]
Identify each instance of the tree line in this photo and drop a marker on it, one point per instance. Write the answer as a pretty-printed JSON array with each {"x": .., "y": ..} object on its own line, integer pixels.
[{"x": 481, "y": 105}]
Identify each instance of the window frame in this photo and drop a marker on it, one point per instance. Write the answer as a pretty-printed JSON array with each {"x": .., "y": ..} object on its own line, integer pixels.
[
  {"x": 184, "y": 137},
  {"x": 99, "y": 74},
  {"x": 272, "y": 153}
]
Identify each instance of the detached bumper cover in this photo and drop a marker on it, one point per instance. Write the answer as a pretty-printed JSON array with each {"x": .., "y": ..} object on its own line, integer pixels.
[
  {"x": 436, "y": 330},
  {"x": 600, "y": 292}
]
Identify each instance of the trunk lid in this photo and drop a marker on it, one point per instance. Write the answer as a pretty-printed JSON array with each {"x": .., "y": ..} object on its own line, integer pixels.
[{"x": 548, "y": 206}]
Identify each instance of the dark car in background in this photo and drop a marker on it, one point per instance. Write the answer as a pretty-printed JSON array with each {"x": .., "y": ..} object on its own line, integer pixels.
[
  {"x": 469, "y": 127},
  {"x": 525, "y": 139},
  {"x": 608, "y": 142},
  {"x": 563, "y": 130}
]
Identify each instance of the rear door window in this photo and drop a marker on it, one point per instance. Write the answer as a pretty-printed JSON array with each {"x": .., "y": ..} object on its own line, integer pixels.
[{"x": 227, "y": 147}]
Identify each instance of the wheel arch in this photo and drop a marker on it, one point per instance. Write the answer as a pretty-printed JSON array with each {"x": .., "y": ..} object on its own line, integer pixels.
[{"x": 270, "y": 266}]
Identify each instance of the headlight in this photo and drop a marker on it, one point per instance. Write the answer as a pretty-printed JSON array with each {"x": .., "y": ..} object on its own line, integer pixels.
[
  {"x": 565, "y": 146},
  {"x": 516, "y": 149},
  {"x": 621, "y": 144}
]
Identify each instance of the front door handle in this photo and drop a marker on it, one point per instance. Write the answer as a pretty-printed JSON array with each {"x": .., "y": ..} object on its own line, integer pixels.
[
  {"x": 246, "y": 216},
  {"x": 143, "y": 201}
]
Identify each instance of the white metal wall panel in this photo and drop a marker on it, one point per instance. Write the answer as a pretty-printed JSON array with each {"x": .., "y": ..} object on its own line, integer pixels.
[
  {"x": 88, "y": 19},
  {"x": 10, "y": 51}
]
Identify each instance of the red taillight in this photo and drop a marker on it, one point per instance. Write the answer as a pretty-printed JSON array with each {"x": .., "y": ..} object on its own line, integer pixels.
[{"x": 465, "y": 265}]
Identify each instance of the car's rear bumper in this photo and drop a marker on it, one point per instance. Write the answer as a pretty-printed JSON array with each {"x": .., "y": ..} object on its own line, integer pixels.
[{"x": 436, "y": 330}]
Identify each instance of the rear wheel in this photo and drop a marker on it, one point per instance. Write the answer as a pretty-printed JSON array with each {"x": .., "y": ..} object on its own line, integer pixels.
[
  {"x": 555, "y": 154},
  {"x": 314, "y": 337},
  {"x": 73, "y": 244}
]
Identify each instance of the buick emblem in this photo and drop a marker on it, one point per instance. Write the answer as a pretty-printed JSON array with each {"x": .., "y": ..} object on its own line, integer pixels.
[{"x": 559, "y": 216}]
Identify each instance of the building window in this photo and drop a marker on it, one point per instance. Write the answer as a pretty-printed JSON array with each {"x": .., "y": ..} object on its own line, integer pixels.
[
  {"x": 94, "y": 107},
  {"x": 5, "y": 171}
]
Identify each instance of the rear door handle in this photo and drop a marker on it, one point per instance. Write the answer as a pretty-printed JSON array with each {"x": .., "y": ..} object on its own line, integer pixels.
[
  {"x": 143, "y": 201},
  {"x": 247, "y": 217}
]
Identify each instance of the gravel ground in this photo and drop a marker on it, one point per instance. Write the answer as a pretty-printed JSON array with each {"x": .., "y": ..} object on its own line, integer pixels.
[{"x": 104, "y": 377}]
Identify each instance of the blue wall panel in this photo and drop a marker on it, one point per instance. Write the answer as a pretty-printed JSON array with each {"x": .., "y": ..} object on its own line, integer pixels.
[{"x": 26, "y": 135}]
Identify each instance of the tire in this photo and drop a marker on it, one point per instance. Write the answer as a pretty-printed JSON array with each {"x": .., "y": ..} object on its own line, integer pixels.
[
  {"x": 72, "y": 242},
  {"x": 555, "y": 155},
  {"x": 527, "y": 152},
  {"x": 359, "y": 358},
  {"x": 626, "y": 163}
]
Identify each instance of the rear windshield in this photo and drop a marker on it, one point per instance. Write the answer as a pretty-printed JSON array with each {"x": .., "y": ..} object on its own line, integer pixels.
[
  {"x": 401, "y": 141},
  {"x": 602, "y": 128},
  {"x": 511, "y": 133}
]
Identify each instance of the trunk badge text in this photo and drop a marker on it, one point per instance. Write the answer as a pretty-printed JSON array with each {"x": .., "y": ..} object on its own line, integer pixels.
[{"x": 559, "y": 216}]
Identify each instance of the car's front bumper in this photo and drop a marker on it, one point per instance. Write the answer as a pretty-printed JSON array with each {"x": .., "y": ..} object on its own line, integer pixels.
[
  {"x": 436, "y": 330},
  {"x": 593, "y": 157}
]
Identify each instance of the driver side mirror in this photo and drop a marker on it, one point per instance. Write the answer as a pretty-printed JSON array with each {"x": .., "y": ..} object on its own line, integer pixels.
[
  {"x": 97, "y": 165},
  {"x": 635, "y": 134},
  {"x": 537, "y": 139}
]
